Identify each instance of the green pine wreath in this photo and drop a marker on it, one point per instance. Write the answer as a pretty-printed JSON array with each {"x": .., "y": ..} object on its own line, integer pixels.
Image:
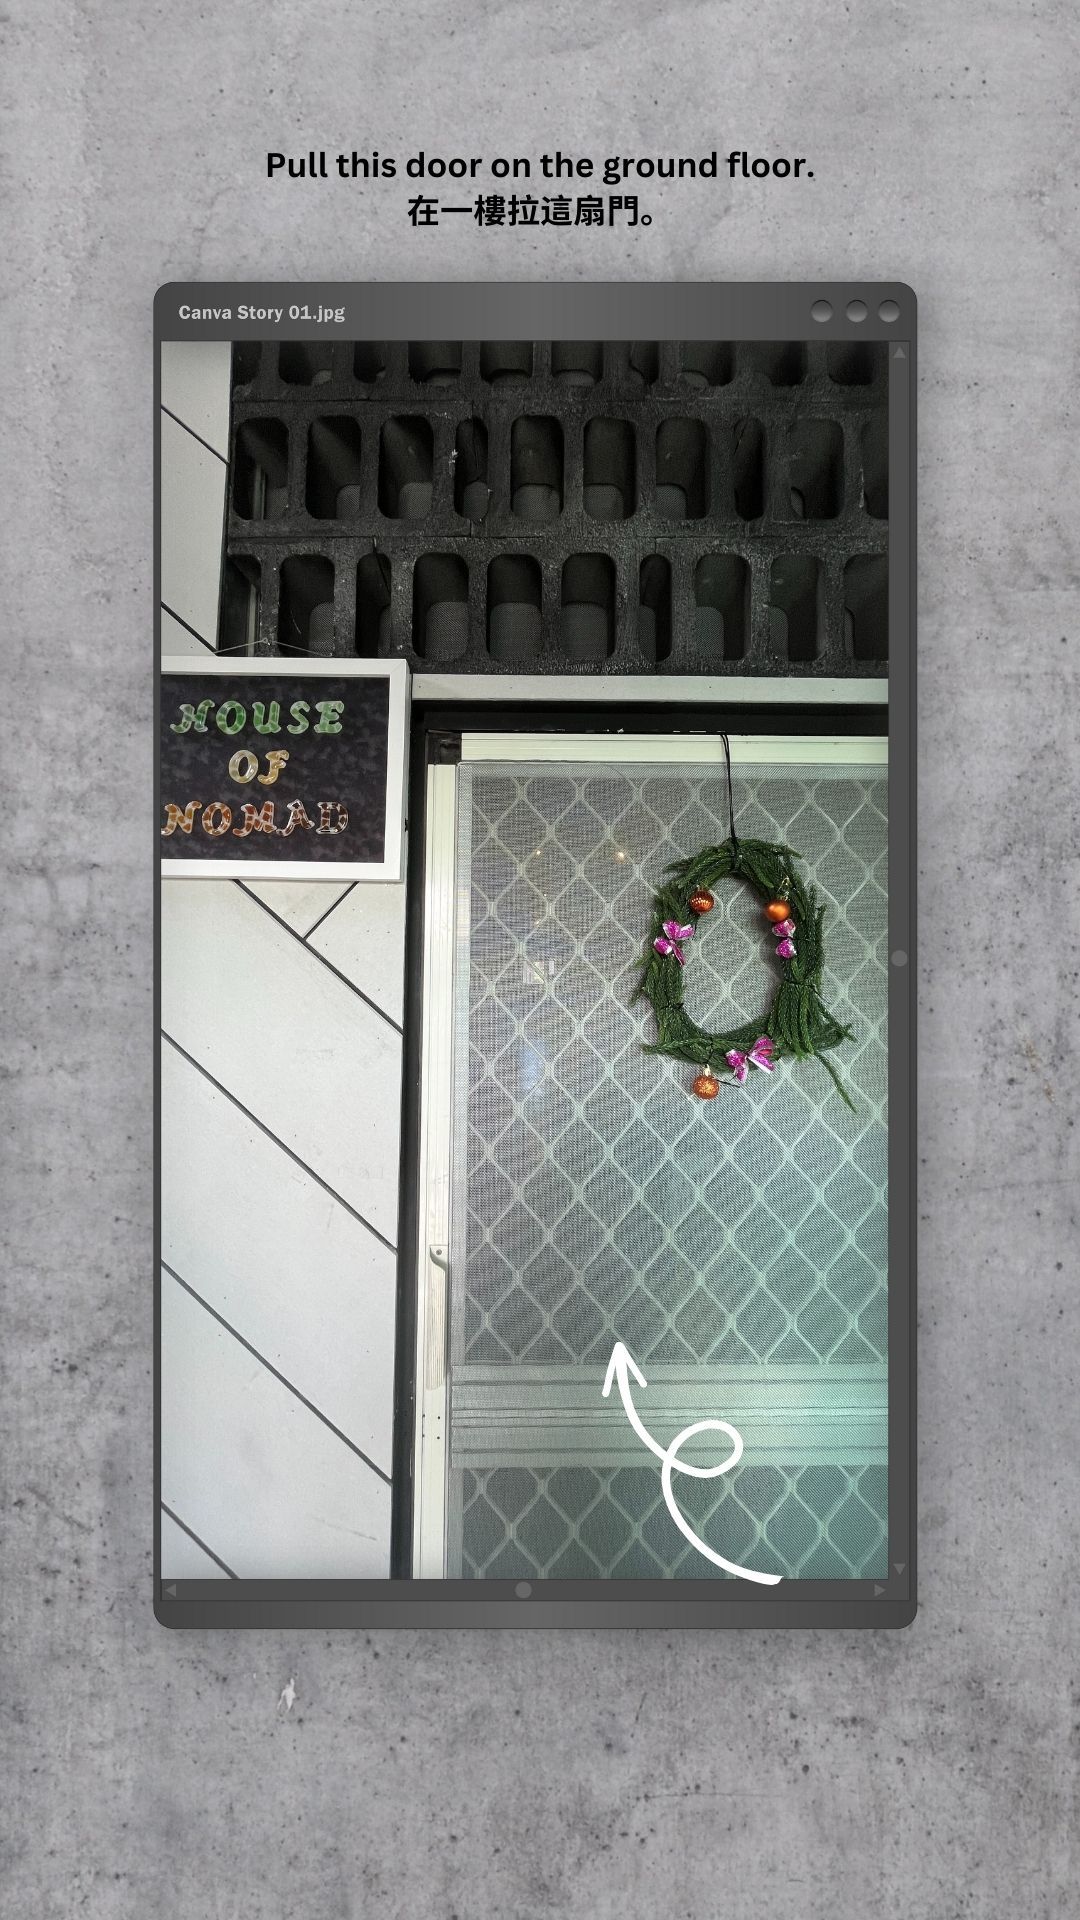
[{"x": 798, "y": 1024}]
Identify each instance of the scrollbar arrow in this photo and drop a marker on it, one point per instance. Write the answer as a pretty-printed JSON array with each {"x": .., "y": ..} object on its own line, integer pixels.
[
  {"x": 877, "y": 1591},
  {"x": 899, "y": 1565},
  {"x": 170, "y": 1593}
]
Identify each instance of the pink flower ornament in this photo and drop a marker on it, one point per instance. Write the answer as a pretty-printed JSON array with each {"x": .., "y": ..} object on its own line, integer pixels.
[
  {"x": 671, "y": 941},
  {"x": 760, "y": 1055},
  {"x": 785, "y": 945}
]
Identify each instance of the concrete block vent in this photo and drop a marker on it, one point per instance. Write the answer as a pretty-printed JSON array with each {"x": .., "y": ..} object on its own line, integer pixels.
[{"x": 561, "y": 507}]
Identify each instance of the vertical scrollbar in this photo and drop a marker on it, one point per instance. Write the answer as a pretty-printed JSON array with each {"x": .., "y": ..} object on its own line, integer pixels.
[{"x": 903, "y": 843}]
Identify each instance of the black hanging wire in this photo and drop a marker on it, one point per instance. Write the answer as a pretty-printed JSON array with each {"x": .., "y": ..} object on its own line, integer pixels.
[{"x": 730, "y": 797}]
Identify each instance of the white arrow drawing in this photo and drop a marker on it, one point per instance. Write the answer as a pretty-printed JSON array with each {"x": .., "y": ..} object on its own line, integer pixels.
[{"x": 620, "y": 1367}]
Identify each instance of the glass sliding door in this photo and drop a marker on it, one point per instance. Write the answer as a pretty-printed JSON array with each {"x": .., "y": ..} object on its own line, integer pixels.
[{"x": 736, "y": 1247}]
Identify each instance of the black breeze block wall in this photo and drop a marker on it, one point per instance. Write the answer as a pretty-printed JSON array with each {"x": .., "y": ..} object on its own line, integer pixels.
[{"x": 561, "y": 506}]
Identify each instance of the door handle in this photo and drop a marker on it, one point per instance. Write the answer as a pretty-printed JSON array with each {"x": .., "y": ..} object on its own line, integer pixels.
[{"x": 437, "y": 1307}]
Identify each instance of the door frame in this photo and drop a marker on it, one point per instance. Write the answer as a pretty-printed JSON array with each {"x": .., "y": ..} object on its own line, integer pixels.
[{"x": 442, "y": 740}]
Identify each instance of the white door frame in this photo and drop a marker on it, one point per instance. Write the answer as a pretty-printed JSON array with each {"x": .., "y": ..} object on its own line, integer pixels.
[{"x": 433, "y": 1177}]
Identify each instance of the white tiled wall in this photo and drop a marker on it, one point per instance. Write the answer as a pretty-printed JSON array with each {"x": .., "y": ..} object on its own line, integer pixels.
[
  {"x": 281, "y": 1088},
  {"x": 192, "y": 520}
]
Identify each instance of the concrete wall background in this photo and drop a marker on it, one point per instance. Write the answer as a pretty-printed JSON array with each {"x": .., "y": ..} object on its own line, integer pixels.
[{"x": 933, "y": 1773}]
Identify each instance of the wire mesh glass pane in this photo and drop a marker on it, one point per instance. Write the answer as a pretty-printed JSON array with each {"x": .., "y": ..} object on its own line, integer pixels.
[{"x": 737, "y": 1248}]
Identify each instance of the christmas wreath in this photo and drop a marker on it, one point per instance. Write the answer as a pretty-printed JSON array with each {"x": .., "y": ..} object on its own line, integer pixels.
[{"x": 798, "y": 1024}]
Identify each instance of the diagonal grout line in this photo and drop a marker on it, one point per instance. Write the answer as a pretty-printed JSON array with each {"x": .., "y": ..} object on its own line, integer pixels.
[
  {"x": 192, "y": 1535},
  {"x": 325, "y": 916},
  {"x": 321, "y": 957},
  {"x": 194, "y": 435},
  {"x": 270, "y": 1368},
  {"x": 263, "y": 1128},
  {"x": 187, "y": 626}
]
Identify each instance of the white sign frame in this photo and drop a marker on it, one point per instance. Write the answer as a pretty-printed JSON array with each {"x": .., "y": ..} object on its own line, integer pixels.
[{"x": 396, "y": 674}]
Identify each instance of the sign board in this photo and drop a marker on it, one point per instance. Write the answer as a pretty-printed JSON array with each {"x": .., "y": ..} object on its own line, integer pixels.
[{"x": 282, "y": 769}]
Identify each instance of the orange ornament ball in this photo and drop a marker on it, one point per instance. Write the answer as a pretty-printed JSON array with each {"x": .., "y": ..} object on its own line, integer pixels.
[
  {"x": 706, "y": 1086},
  {"x": 702, "y": 902},
  {"x": 777, "y": 910}
]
